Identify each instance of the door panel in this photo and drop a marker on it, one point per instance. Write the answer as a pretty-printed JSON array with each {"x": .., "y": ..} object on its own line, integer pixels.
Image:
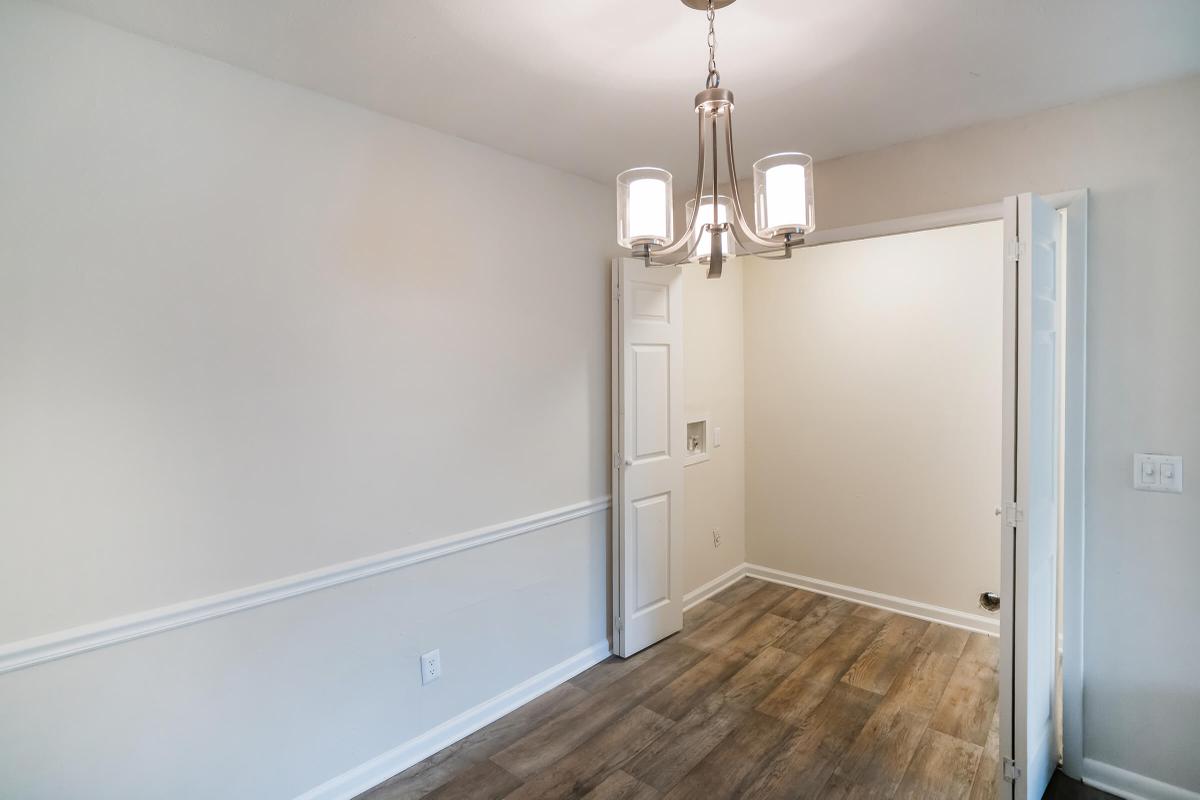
[
  {"x": 650, "y": 302},
  {"x": 651, "y": 409},
  {"x": 648, "y": 433},
  {"x": 1030, "y": 524},
  {"x": 652, "y": 537}
]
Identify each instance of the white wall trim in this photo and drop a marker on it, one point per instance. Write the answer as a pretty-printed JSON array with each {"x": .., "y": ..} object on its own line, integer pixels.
[
  {"x": 38, "y": 650},
  {"x": 393, "y": 762},
  {"x": 702, "y": 593},
  {"x": 900, "y": 605},
  {"x": 933, "y": 221},
  {"x": 1131, "y": 785},
  {"x": 1074, "y": 469},
  {"x": 921, "y": 222}
]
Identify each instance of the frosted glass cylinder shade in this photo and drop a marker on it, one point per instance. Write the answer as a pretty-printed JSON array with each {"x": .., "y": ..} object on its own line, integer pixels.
[
  {"x": 724, "y": 214},
  {"x": 644, "y": 207},
  {"x": 783, "y": 195}
]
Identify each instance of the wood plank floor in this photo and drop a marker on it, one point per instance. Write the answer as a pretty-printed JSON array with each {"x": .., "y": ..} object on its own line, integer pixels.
[{"x": 768, "y": 692}]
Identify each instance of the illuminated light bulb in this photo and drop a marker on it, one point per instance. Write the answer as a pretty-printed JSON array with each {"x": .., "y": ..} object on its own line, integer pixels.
[{"x": 785, "y": 197}]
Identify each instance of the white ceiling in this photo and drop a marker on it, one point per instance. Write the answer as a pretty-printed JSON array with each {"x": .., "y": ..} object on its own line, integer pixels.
[{"x": 596, "y": 86}]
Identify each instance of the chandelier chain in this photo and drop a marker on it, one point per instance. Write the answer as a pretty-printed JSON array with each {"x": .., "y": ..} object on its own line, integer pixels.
[{"x": 714, "y": 77}]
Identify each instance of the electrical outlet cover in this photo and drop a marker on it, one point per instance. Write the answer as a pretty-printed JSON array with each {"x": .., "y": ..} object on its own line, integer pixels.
[{"x": 431, "y": 666}]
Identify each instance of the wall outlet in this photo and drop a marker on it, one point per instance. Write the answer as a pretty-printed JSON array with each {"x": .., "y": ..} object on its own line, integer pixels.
[
  {"x": 431, "y": 666},
  {"x": 716, "y": 538}
]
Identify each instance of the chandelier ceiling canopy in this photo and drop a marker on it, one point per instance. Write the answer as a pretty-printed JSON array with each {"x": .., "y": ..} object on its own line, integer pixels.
[{"x": 783, "y": 191}]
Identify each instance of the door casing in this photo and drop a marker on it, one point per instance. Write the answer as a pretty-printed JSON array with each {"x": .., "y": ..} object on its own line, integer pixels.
[{"x": 1074, "y": 204}]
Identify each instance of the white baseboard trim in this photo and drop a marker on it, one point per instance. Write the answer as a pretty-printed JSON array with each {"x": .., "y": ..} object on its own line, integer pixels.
[
  {"x": 1131, "y": 785},
  {"x": 38, "y": 650},
  {"x": 900, "y": 605},
  {"x": 393, "y": 762},
  {"x": 702, "y": 593}
]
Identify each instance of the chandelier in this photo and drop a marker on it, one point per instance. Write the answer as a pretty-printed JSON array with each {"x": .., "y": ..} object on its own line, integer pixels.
[{"x": 783, "y": 192}]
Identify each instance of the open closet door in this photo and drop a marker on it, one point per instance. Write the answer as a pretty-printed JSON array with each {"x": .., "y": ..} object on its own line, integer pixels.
[
  {"x": 1029, "y": 535},
  {"x": 648, "y": 436}
]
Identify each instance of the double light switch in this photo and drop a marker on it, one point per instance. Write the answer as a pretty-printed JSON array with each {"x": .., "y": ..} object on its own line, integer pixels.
[{"x": 1157, "y": 473}]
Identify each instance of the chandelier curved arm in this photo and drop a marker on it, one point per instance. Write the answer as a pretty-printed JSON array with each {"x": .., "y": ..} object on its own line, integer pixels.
[
  {"x": 735, "y": 193},
  {"x": 778, "y": 251},
  {"x": 685, "y": 235},
  {"x": 651, "y": 256}
]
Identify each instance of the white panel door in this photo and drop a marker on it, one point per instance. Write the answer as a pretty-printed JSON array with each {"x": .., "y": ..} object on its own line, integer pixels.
[
  {"x": 1030, "y": 492},
  {"x": 648, "y": 436}
]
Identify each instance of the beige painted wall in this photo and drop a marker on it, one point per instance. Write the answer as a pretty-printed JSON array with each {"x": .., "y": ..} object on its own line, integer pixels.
[
  {"x": 1138, "y": 154},
  {"x": 873, "y": 412},
  {"x": 714, "y": 490}
]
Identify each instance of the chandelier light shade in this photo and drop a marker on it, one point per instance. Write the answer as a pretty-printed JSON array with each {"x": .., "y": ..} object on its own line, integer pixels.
[
  {"x": 783, "y": 195},
  {"x": 703, "y": 243},
  {"x": 644, "y": 215},
  {"x": 783, "y": 210}
]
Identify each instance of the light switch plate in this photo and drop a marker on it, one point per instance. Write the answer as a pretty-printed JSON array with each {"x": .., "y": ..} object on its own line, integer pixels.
[{"x": 1154, "y": 472}]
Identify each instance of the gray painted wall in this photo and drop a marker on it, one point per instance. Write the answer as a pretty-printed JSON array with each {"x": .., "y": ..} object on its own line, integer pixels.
[{"x": 248, "y": 331}]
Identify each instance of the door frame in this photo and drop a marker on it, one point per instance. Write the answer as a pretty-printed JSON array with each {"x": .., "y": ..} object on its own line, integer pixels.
[
  {"x": 1075, "y": 204},
  {"x": 614, "y": 518}
]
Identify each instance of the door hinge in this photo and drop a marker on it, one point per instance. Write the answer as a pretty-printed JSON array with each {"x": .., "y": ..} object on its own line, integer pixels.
[
  {"x": 1013, "y": 516},
  {"x": 1011, "y": 771},
  {"x": 1016, "y": 250},
  {"x": 620, "y": 623}
]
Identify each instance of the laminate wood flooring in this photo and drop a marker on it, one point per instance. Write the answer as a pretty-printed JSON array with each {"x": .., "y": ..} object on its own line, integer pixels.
[{"x": 768, "y": 692}]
